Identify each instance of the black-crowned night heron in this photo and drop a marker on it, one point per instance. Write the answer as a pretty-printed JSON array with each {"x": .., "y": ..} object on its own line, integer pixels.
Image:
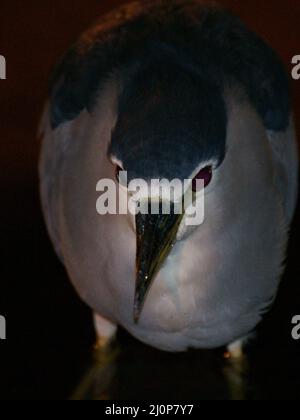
[{"x": 172, "y": 90}]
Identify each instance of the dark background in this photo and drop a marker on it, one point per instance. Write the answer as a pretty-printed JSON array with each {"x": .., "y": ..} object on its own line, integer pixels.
[{"x": 50, "y": 335}]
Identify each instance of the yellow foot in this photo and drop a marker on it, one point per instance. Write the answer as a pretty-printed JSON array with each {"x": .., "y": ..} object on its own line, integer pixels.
[
  {"x": 105, "y": 330},
  {"x": 235, "y": 350},
  {"x": 104, "y": 349}
]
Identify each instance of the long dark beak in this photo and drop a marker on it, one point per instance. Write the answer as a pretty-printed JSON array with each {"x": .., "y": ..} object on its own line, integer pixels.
[{"x": 156, "y": 236}]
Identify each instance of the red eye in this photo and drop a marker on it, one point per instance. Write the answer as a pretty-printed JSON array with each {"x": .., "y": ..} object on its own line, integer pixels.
[{"x": 205, "y": 175}]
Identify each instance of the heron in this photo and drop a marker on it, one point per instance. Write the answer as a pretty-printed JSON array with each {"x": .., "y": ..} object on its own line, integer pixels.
[{"x": 172, "y": 90}]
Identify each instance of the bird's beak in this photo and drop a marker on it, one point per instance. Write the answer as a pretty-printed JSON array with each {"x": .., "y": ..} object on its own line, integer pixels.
[{"x": 156, "y": 236}]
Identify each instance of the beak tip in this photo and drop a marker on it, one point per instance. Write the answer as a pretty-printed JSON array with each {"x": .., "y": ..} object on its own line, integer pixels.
[
  {"x": 138, "y": 307},
  {"x": 139, "y": 300},
  {"x": 136, "y": 315},
  {"x": 156, "y": 235}
]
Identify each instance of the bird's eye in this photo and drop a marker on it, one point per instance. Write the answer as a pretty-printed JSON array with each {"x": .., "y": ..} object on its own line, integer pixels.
[{"x": 205, "y": 175}]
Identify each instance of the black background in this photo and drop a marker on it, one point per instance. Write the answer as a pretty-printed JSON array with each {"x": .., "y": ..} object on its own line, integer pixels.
[{"x": 50, "y": 334}]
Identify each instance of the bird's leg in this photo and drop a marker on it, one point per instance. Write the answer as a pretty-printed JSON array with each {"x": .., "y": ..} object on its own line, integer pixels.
[
  {"x": 105, "y": 331},
  {"x": 235, "y": 350},
  {"x": 236, "y": 369},
  {"x": 98, "y": 381}
]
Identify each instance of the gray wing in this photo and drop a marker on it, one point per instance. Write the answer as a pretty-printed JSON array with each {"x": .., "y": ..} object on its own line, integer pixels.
[
  {"x": 54, "y": 144},
  {"x": 285, "y": 155}
]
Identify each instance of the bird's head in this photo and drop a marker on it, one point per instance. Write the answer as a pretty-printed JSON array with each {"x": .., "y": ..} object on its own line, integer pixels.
[{"x": 171, "y": 126}]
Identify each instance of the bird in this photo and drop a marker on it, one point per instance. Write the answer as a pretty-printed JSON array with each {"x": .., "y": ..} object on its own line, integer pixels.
[{"x": 172, "y": 90}]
